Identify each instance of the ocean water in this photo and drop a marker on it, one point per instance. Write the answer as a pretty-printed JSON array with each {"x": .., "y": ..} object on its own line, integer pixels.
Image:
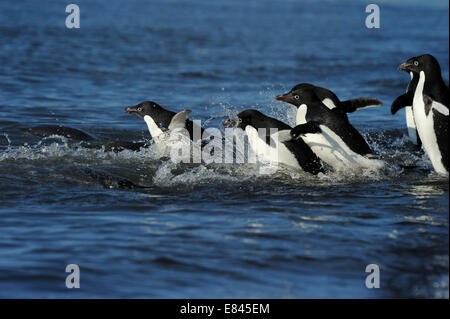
[{"x": 211, "y": 231}]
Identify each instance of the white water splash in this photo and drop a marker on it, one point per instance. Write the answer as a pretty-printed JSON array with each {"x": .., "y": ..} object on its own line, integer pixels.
[{"x": 157, "y": 167}]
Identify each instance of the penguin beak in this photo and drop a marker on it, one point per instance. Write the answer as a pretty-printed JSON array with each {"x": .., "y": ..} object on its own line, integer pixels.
[
  {"x": 130, "y": 110},
  {"x": 229, "y": 123},
  {"x": 283, "y": 97},
  {"x": 405, "y": 66},
  {"x": 133, "y": 110}
]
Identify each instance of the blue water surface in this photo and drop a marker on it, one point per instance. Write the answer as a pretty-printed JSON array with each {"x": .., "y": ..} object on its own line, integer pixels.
[{"x": 205, "y": 231}]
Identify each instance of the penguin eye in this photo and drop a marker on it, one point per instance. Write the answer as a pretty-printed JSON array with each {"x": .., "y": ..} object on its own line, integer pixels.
[
  {"x": 416, "y": 63},
  {"x": 139, "y": 109},
  {"x": 296, "y": 97},
  {"x": 239, "y": 120}
]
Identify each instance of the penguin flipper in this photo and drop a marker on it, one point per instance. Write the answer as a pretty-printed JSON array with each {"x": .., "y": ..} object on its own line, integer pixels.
[
  {"x": 284, "y": 136},
  {"x": 441, "y": 128},
  {"x": 179, "y": 120},
  {"x": 356, "y": 104},
  {"x": 439, "y": 107},
  {"x": 310, "y": 127},
  {"x": 428, "y": 103},
  {"x": 402, "y": 101}
]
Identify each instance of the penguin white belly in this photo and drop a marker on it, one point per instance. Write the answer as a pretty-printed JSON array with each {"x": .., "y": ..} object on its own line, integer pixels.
[
  {"x": 265, "y": 153},
  {"x": 157, "y": 134},
  {"x": 411, "y": 124},
  {"x": 425, "y": 127},
  {"x": 154, "y": 130},
  {"x": 285, "y": 156},
  {"x": 331, "y": 149}
]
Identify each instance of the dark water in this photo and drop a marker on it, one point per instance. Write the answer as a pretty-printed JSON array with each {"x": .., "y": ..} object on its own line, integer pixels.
[{"x": 211, "y": 230}]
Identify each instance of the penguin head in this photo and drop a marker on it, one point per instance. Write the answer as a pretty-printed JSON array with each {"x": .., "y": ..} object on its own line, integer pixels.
[
  {"x": 300, "y": 94},
  {"x": 157, "y": 113},
  {"x": 145, "y": 108},
  {"x": 426, "y": 63},
  {"x": 246, "y": 118}
]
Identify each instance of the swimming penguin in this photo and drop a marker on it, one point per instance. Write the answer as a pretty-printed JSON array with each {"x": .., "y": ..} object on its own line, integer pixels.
[
  {"x": 86, "y": 140},
  {"x": 107, "y": 180},
  {"x": 294, "y": 153},
  {"x": 329, "y": 133},
  {"x": 330, "y": 99},
  {"x": 115, "y": 146},
  {"x": 50, "y": 130},
  {"x": 160, "y": 120},
  {"x": 406, "y": 101},
  {"x": 431, "y": 109}
]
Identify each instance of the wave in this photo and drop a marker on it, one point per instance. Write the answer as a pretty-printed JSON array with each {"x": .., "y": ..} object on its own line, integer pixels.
[{"x": 151, "y": 167}]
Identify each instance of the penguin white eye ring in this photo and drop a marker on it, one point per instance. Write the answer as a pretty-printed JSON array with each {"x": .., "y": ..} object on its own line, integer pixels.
[
  {"x": 139, "y": 109},
  {"x": 296, "y": 97},
  {"x": 416, "y": 63}
]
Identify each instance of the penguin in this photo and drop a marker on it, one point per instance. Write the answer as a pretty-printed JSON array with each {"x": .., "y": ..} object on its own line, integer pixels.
[
  {"x": 50, "y": 130},
  {"x": 331, "y": 100},
  {"x": 405, "y": 101},
  {"x": 85, "y": 140},
  {"x": 159, "y": 121},
  {"x": 115, "y": 146},
  {"x": 107, "y": 180},
  {"x": 328, "y": 133},
  {"x": 293, "y": 153},
  {"x": 431, "y": 109}
]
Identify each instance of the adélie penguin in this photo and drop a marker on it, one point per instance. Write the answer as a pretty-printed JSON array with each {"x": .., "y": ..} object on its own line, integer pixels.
[
  {"x": 431, "y": 109},
  {"x": 328, "y": 133},
  {"x": 330, "y": 100},
  {"x": 50, "y": 130},
  {"x": 173, "y": 131},
  {"x": 84, "y": 139},
  {"x": 293, "y": 153},
  {"x": 160, "y": 120},
  {"x": 406, "y": 101}
]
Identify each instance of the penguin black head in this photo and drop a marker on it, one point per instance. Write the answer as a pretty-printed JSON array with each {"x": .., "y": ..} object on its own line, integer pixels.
[
  {"x": 248, "y": 117},
  {"x": 255, "y": 119},
  {"x": 300, "y": 94},
  {"x": 426, "y": 63},
  {"x": 160, "y": 116},
  {"x": 145, "y": 108}
]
